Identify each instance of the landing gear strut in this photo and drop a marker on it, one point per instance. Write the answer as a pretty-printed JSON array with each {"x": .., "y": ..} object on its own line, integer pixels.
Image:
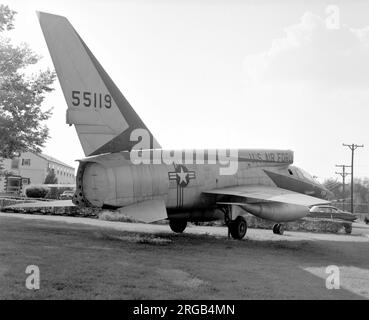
[
  {"x": 236, "y": 228},
  {"x": 278, "y": 229},
  {"x": 178, "y": 226}
]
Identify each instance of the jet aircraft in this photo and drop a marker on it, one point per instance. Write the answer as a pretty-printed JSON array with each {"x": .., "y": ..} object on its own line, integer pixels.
[{"x": 125, "y": 166}]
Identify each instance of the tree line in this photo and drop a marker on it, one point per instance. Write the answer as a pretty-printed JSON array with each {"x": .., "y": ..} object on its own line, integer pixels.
[{"x": 361, "y": 193}]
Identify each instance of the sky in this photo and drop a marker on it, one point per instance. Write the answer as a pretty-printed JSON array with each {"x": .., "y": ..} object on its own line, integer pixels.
[{"x": 224, "y": 74}]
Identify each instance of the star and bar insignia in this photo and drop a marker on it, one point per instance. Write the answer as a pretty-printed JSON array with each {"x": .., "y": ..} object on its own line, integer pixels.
[{"x": 183, "y": 176}]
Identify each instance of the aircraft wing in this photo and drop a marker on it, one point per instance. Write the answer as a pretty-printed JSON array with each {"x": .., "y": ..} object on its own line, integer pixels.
[{"x": 257, "y": 193}]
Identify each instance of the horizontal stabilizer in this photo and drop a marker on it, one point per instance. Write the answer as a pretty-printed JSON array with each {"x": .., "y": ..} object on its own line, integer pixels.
[{"x": 146, "y": 211}]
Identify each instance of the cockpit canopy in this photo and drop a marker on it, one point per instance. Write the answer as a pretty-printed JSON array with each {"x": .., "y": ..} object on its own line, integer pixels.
[{"x": 301, "y": 174}]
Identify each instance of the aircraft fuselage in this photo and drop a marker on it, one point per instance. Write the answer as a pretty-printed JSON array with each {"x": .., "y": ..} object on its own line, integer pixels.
[{"x": 113, "y": 180}]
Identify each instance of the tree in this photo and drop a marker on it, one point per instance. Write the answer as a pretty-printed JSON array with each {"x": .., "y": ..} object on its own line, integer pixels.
[
  {"x": 361, "y": 193},
  {"x": 334, "y": 186},
  {"x": 51, "y": 178},
  {"x": 22, "y": 125},
  {"x": 6, "y": 18}
]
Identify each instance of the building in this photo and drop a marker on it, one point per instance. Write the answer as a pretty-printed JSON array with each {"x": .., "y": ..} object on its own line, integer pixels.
[{"x": 31, "y": 169}]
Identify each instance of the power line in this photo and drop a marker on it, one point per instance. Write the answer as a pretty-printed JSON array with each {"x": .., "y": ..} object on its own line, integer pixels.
[
  {"x": 343, "y": 174},
  {"x": 352, "y": 147}
]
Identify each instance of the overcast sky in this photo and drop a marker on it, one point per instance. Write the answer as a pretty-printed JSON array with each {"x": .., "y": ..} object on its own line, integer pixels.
[{"x": 235, "y": 74}]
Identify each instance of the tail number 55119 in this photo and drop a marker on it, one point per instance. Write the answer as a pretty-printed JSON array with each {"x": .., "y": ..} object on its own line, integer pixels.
[{"x": 89, "y": 99}]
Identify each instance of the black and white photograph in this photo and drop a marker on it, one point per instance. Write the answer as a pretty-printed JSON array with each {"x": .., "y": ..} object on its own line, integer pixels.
[{"x": 183, "y": 157}]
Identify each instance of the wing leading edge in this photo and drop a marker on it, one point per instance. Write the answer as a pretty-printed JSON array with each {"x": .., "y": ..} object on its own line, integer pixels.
[{"x": 257, "y": 193}]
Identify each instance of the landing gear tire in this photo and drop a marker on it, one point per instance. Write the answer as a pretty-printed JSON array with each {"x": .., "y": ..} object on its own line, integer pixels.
[
  {"x": 238, "y": 228},
  {"x": 278, "y": 229},
  {"x": 178, "y": 226},
  {"x": 348, "y": 229}
]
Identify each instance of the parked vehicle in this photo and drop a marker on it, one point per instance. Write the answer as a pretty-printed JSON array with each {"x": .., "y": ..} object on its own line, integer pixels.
[
  {"x": 330, "y": 212},
  {"x": 66, "y": 195}
]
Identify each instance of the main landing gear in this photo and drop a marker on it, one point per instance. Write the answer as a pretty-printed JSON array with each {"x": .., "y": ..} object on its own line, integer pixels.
[
  {"x": 236, "y": 228},
  {"x": 178, "y": 225},
  {"x": 278, "y": 229}
]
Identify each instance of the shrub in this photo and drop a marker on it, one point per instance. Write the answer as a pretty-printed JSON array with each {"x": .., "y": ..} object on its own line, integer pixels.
[{"x": 36, "y": 192}]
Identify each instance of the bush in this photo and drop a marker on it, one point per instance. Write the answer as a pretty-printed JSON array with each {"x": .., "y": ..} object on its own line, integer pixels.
[{"x": 36, "y": 192}]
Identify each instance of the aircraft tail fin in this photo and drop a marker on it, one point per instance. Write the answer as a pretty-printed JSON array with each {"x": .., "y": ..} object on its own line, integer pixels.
[{"x": 103, "y": 118}]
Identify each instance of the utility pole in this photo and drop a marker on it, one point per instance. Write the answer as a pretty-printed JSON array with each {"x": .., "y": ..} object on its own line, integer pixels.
[
  {"x": 343, "y": 174},
  {"x": 352, "y": 147}
]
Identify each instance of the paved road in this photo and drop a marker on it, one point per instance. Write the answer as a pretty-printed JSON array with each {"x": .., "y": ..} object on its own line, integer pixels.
[{"x": 43, "y": 204}]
